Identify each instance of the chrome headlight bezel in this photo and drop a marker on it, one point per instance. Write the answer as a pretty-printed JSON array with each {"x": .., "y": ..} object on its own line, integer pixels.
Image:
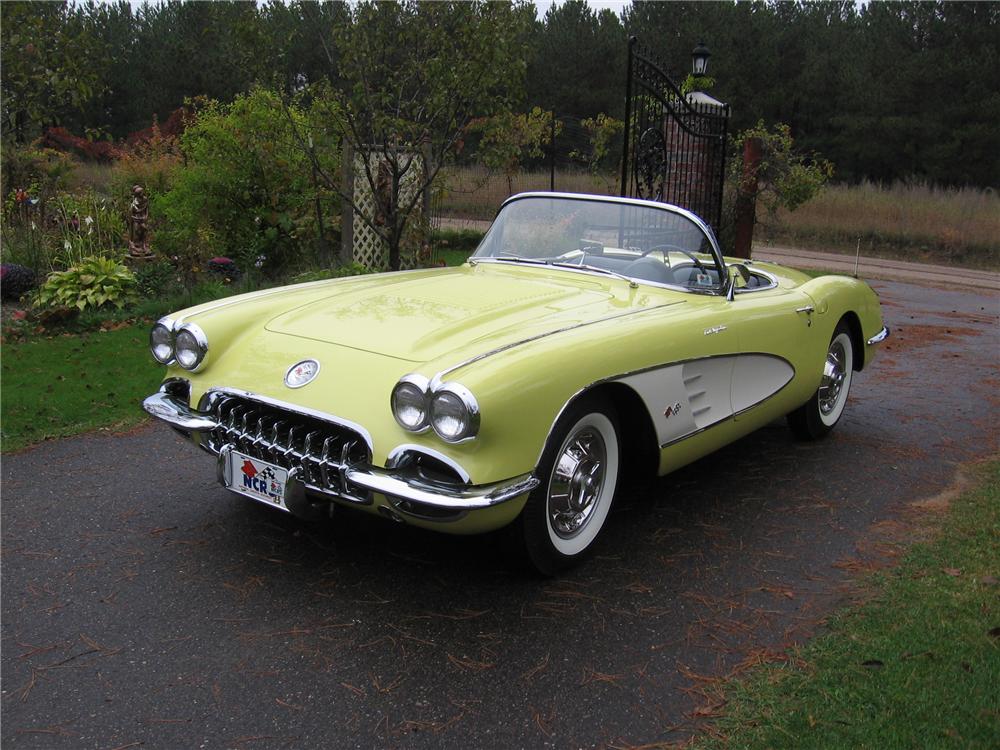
[
  {"x": 418, "y": 389},
  {"x": 167, "y": 326},
  {"x": 199, "y": 348},
  {"x": 460, "y": 396}
]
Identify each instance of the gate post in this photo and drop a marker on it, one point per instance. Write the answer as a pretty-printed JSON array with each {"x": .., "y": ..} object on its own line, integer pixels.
[
  {"x": 632, "y": 42},
  {"x": 746, "y": 199},
  {"x": 674, "y": 145}
]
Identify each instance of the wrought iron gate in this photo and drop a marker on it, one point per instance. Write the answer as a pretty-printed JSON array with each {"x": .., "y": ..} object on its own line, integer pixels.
[{"x": 675, "y": 145}]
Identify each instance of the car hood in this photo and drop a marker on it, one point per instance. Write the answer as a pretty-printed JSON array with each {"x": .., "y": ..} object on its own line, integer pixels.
[{"x": 421, "y": 317}]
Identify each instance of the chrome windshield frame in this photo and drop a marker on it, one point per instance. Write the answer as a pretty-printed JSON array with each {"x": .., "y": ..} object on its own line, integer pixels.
[{"x": 723, "y": 289}]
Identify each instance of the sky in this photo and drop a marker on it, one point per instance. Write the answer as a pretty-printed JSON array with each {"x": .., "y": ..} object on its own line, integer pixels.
[
  {"x": 598, "y": 5},
  {"x": 542, "y": 5}
]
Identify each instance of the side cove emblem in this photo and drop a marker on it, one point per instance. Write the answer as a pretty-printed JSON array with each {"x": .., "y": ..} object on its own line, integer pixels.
[
  {"x": 301, "y": 373},
  {"x": 671, "y": 410}
]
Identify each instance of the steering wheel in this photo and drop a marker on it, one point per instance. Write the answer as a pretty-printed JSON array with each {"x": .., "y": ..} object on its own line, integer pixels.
[{"x": 665, "y": 248}]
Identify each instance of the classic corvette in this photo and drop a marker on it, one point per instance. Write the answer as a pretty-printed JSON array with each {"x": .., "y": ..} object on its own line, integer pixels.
[{"x": 588, "y": 338}]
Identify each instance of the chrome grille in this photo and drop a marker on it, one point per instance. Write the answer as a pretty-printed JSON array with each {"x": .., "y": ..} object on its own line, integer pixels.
[{"x": 319, "y": 451}]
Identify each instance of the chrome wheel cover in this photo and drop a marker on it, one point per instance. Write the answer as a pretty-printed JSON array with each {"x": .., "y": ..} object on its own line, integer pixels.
[
  {"x": 834, "y": 375},
  {"x": 577, "y": 482}
]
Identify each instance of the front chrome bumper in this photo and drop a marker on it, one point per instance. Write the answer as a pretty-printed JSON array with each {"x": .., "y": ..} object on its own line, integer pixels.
[{"x": 166, "y": 406}]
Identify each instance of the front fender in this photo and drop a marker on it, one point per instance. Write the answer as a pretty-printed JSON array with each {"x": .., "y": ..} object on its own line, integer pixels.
[
  {"x": 837, "y": 296},
  {"x": 523, "y": 390}
]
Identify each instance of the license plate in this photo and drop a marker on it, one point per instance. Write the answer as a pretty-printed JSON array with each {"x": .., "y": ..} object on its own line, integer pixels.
[{"x": 258, "y": 479}]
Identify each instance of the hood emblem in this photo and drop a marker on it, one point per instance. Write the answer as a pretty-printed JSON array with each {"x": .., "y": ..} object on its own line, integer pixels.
[{"x": 301, "y": 373}]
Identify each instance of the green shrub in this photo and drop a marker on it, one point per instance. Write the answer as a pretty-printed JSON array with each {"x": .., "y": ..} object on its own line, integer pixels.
[
  {"x": 155, "y": 279},
  {"x": 456, "y": 239},
  {"x": 42, "y": 172},
  {"x": 152, "y": 163},
  {"x": 351, "y": 269},
  {"x": 787, "y": 178},
  {"x": 30, "y": 179},
  {"x": 94, "y": 282},
  {"x": 246, "y": 189}
]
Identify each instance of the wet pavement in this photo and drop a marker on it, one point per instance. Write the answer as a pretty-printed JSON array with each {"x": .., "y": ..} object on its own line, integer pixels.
[{"x": 143, "y": 606}]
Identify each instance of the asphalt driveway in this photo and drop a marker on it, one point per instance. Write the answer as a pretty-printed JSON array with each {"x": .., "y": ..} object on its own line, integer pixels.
[{"x": 143, "y": 606}]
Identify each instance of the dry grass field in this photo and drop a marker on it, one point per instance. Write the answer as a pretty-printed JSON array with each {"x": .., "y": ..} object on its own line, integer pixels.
[
  {"x": 474, "y": 193},
  {"x": 906, "y": 221},
  {"x": 916, "y": 222}
]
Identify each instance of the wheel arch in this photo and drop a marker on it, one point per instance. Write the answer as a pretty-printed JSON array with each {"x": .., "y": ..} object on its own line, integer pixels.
[
  {"x": 639, "y": 448},
  {"x": 853, "y": 322}
]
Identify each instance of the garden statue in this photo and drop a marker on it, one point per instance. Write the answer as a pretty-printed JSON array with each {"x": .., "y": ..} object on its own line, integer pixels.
[{"x": 138, "y": 245}]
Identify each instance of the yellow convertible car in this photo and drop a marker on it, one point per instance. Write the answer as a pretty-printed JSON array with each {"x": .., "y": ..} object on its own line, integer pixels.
[{"x": 588, "y": 338}]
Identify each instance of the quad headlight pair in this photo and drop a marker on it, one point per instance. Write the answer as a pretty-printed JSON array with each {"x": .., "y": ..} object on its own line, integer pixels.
[
  {"x": 186, "y": 344},
  {"x": 449, "y": 408}
]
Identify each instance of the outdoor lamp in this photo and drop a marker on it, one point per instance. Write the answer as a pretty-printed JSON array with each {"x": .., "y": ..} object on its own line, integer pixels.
[{"x": 699, "y": 59}]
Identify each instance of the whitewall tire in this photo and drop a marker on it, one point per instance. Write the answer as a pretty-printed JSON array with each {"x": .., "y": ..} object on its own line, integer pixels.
[
  {"x": 820, "y": 414},
  {"x": 579, "y": 469}
]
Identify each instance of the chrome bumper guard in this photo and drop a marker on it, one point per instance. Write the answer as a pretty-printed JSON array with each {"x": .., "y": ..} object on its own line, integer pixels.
[
  {"x": 879, "y": 337},
  {"x": 168, "y": 407}
]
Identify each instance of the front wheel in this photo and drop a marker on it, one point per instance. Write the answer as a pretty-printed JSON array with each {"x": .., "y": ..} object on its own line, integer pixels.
[
  {"x": 564, "y": 515},
  {"x": 817, "y": 416}
]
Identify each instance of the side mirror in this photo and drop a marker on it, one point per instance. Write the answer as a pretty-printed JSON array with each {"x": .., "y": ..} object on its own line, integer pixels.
[
  {"x": 739, "y": 270},
  {"x": 739, "y": 275}
]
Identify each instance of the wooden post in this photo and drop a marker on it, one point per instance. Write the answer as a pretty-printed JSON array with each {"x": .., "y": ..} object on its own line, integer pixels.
[
  {"x": 746, "y": 199},
  {"x": 347, "y": 212},
  {"x": 552, "y": 151}
]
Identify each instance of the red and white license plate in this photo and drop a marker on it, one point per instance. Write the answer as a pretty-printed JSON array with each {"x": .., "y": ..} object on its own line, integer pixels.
[{"x": 258, "y": 479}]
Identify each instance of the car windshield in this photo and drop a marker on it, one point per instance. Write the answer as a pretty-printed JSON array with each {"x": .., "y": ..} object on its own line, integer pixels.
[{"x": 641, "y": 242}]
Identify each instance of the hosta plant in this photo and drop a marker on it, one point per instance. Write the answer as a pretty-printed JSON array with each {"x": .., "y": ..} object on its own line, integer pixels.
[{"x": 94, "y": 282}]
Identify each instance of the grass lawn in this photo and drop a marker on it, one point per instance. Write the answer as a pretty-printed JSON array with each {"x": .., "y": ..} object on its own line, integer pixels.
[
  {"x": 916, "y": 666},
  {"x": 67, "y": 384}
]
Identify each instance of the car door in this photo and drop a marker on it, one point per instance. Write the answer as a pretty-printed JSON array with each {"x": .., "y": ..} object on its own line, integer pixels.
[
  {"x": 773, "y": 326},
  {"x": 692, "y": 390}
]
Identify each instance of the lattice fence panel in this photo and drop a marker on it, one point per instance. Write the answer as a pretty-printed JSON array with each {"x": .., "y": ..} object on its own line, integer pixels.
[{"x": 370, "y": 250}]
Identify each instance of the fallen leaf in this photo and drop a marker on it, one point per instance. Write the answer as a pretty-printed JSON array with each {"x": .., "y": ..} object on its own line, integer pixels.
[
  {"x": 873, "y": 663},
  {"x": 994, "y": 633},
  {"x": 989, "y": 581},
  {"x": 953, "y": 572}
]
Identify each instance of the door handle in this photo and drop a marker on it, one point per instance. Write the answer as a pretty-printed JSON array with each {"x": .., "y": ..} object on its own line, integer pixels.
[{"x": 808, "y": 310}]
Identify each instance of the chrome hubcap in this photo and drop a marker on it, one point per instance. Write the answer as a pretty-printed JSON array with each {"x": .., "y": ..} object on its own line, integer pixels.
[
  {"x": 576, "y": 483},
  {"x": 834, "y": 374}
]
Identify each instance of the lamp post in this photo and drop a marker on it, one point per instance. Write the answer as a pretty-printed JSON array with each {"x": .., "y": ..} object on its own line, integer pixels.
[{"x": 699, "y": 60}]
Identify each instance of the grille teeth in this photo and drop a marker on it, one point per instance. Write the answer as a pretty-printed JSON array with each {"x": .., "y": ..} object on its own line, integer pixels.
[{"x": 321, "y": 451}]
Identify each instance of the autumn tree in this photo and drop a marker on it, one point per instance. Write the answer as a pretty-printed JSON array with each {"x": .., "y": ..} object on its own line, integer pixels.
[
  {"x": 408, "y": 80},
  {"x": 52, "y": 66},
  {"x": 509, "y": 139}
]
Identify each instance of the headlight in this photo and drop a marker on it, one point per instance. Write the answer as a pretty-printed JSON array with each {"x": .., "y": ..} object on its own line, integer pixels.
[
  {"x": 161, "y": 341},
  {"x": 454, "y": 413},
  {"x": 190, "y": 346},
  {"x": 409, "y": 403}
]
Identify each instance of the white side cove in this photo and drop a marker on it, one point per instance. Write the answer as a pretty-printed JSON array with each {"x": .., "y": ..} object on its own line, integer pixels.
[
  {"x": 686, "y": 398},
  {"x": 757, "y": 377}
]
